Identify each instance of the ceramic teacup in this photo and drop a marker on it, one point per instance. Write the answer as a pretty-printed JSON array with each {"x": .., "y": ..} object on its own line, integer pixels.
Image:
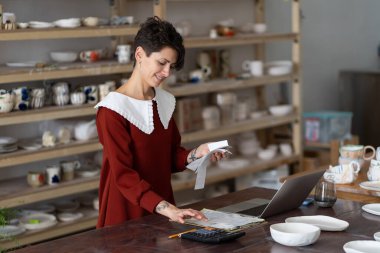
[
  {"x": 77, "y": 98},
  {"x": 53, "y": 175},
  {"x": 357, "y": 152},
  {"x": 343, "y": 174},
  {"x": 373, "y": 173},
  {"x": 36, "y": 179},
  {"x": 91, "y": 92},
  {"x": 68, "y": 169},
  {"x": 254, "y": 67}
]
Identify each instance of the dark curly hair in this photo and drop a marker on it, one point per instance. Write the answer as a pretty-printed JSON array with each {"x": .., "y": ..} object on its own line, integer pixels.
[{"x": 155, "y": 34}]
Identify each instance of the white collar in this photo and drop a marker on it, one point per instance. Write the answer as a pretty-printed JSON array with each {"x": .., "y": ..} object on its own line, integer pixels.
[{"x": 140, "y": 112}]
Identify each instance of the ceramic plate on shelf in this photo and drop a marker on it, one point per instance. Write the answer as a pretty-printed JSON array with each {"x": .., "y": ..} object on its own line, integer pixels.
[
  {"x": 5, "y": 140},
  {"x": 66, "y": 216},
  {"x": 9, "y": 230},
  {"x": 362, "y": 246},
  {"x": 21, "y": 64},
  {"x": 30, "y": 145},
  {"x": 325, "y": 223},
  {"x": 39, "y": 24},
  {"x": 38, "y": 221},
  {"x": 372, "y": 209},
  {"x": 86, "y": 172},
  {"x": 370, "y": 185}
]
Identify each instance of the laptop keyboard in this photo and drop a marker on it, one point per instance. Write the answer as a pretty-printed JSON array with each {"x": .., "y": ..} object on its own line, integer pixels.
[{"x": 255, "y": 211}]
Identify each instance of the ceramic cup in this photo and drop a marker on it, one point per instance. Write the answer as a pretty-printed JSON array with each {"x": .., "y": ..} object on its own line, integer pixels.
[
  {"x": 254, "y": 67},
  {"x": 91, "y": 92},
  {"x": 90, "y": 55},
  {"x": 343, "y": 174},
  {"x": 37, "y": 98},
  {"x": 68, "y": 169},
  {"x": 77, "y": 98},
  {"x": 123, "y": 53},
  {"x": 373, "y": 173},
  {"x": 36, "y": 179},
  {"x": 61, "y": 93},
  {"x": 106, "y": 88},
  {"x": 6, "y": 101},
  {"x": 286, "y": 149},
  {"x": 378, "y": 153},
  {"x": 356, "y": 152},
  {"x": 21, "y": 98},
  {"x": 53, "y": 175}
]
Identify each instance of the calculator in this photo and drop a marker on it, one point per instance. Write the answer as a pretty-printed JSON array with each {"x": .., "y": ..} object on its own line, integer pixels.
[{"x": 212, "y": 235}]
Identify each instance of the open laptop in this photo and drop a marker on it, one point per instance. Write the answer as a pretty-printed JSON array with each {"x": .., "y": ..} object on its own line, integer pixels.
[{"x": 290, "y": 196}]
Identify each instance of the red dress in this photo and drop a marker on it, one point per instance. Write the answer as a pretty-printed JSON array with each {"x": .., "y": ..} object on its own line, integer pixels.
[{"x": 136, "y": 169}]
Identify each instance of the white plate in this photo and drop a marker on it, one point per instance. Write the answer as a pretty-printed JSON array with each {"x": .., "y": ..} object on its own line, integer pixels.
[
  {"x": 30, "y": 145},
  {"x": 4, "y": 140},
  {"x": 362, "y": 246},
  {"x": 66, "y": 217},
  {"x": 6, "y": 231},
  {"x": 38, "y": 221},
  {"x": 377, "y": 236},
  {"x": 370, "y": 185},
  {"x": 372, "y": 208},
  {"x": 67, "y": 206},
  {"x": 325, "y": 223},
  {"x": 87, "y": 172},
  {"x": 39, "y": 24},
  {"x": 21, "y": 64}
]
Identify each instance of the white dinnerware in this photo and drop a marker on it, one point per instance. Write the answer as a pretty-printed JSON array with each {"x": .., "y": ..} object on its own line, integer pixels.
[
  {"x": 280, "y": 110},
  {"x": 38, "y": 221},
  {"x": 67, "y": 216},
  {"x": 362, "y": 246},
  {"x": 295, "y": 234},
  {"x": 377, "y": 236},
  {"x": 370, "y": 185},
  {"x": 325, "y": 223},
  {"x": 373, "y": 208},
  {"x": 10, "y": 230}
]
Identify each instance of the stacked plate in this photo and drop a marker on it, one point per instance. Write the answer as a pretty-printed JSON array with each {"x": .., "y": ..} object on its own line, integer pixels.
[
  {"x": 8, "y": 144},
  {"x": 40, "y": 25},
  {"x": 10, "y": 230},
  {"x": 68, "y": 23},
  {"x": 370, "y": 185},
  {"x": 38, "y": 221}
]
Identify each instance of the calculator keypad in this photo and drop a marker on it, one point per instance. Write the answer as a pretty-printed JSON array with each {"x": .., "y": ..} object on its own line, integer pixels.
[{"x": 212, "y": 236}]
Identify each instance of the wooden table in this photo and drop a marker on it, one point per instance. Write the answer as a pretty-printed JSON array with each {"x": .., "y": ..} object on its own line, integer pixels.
[{"x": 149, "y": 234}]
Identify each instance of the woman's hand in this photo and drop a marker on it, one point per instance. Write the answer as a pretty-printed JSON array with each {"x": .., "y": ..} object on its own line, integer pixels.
[
  {"x": 177, "y": 214},
  {"x": 201, "y": 151}
]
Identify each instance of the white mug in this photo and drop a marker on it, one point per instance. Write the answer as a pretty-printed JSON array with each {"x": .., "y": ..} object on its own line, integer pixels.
[
  {"x": 373, "y": 173},
  {"x": 255, "y": 67},
  {"x": 123, "y": 53},
  {"x": 53, "y": 175},
  {"x": 344, "y": 173}
]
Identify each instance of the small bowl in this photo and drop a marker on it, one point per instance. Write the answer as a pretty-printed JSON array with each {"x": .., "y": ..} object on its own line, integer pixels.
[
  {"x": 36, "y": 179},
  {"x": 278, "y": 68},
  {"x": 90, "y": 21},
  {"x": 259, "y": 28},
  {"x": 295, "y": 234},
  {"x": 22, "y": 25},
  {"x": 266, "y": 154},
  {"x": 280, "y": 110},
  {"x": 64, "y": 56}
]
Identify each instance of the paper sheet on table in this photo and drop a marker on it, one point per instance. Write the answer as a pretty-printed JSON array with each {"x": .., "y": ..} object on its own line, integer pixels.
[
  {"x": 224, "y": 220},
  {"x": 199, "y": 166}
]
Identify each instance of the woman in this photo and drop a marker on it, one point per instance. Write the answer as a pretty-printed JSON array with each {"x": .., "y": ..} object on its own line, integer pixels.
[{"x": 141, "y": 142}]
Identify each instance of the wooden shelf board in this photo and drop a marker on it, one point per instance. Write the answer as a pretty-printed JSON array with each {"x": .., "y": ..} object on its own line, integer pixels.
[
  {"x": 65, "y": 33},
  {"x": 317, "y": 145},
  {"x": 16, "y": 191},
  {"x": 243, "y": 126},
  {"x": 46, "y": 113},
  {"x": 77, "y": 69},
  {"x": 239, "y": 39},
  {"x": 62, "y": 150},
  {"x": 224, "y": 85},
  {"x": 215, "y": 175},
  {"x": 62, "y": 228}
]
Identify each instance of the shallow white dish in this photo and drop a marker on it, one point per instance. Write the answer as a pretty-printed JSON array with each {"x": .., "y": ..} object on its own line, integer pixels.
[
  {"x": 266, "y": 154},
  {"x": 372, "y": 208},
  {"x": 31, "y": 145},
  {"x": 64, "y": 56},
  {"x": 21, "y": 64},
  {"x": 87, "y": 172},
  {"x": 280, "y": 110},
  {"x": 325, "y": 223},
  {"x": 38, "y": 221},
  {"x": 233, "y": 163},
  {"x": 5, "y": 140},
  {"x": 10, "y": 230},
  {"x": 295, "y": 234},
  {"x": 362, "y": 246},
  {"x": 370, "y": 185},
  {"x": 39, "y": 24},
  {"x": 377, "y": 236},
  {"x": 277, "y": 68},
  {"x": 66, "y": 217},
  {"x": 68, "y": 23}
]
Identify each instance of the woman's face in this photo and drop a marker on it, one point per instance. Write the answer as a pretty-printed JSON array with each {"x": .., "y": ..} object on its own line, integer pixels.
[{"x": 155, "y": 68}]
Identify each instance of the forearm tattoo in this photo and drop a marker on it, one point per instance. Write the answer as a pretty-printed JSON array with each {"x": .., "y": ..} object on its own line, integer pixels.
[{"x": 161, "y": 206}]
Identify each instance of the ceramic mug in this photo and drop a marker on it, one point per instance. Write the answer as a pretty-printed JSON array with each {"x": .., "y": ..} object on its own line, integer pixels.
[
  {"x": 356, "y": 152},
  {"x": 36, "y": 179},
  {"x": 53, "y": 175},
  {"x": 343, "y": 174},
  {"x": 6, "y": 101},
  {"x": 373, "y": 173},
  {"x": 77, "y": 98},
  {"x": 123, "y": 53},
  {"x": 254, "y": 67},
  {"x": 90, "y": 55},
  {"x": 21, "y": 98},
  {"x": 91, "y": 92},
  {"x": 68, "y": 169},
  {"x": 378, "y": 153}
]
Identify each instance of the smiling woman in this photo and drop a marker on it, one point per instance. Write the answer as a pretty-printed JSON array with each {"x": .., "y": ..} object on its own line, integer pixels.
[{"x": 141, "y": 142}]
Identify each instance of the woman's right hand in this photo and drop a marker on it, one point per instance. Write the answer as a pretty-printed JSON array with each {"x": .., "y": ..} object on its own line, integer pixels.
[{"x": 177, "y": 214}]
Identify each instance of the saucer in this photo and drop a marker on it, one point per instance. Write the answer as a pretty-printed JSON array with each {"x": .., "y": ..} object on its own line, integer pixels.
[
  {"x": 362, "y": 246},
  {"x": 370, "y": 185},
  {"x": 67, "y": 217},
  {"x": 325, "y": 223},
  {"x": 38, "y": 221},
  {"x": 9, "y": 230},
  {"x": 372, "y": 208},
  {"x": 67, "y": 206}
]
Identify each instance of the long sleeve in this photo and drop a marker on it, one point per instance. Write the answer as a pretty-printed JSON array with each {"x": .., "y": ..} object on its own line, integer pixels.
[{"x": 180, "y": 152}]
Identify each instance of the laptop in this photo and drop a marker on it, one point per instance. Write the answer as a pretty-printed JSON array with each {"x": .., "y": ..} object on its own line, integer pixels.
[{"x": 290, "y": 196}]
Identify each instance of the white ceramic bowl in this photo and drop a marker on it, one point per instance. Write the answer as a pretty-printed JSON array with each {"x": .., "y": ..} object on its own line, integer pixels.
[
  {"x": 280, "y": 110},
  {"x": 266, "y": 154},
  {"x": 90, "y": 21},
  {"x": 295, "y": 234},
  {"x": 377, "y": 236},
  {"x": 277, "y": 68},
  {"x": 64, "y": 56},
  {"x": 259, "y": 28}
]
